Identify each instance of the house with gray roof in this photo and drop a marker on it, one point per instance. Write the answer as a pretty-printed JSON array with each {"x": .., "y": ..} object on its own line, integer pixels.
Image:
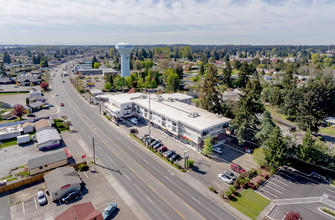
[
  {"x": 47, "y": 162},
  {"x": 48, "y": 138},
  {"x": 36, "y": 105},
  {"x": 61, "y": 181}
]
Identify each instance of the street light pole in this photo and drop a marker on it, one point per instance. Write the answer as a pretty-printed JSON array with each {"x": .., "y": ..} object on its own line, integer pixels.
[
  {"x": 93, "y": 150},
  {"x": 149, "y": 121}
]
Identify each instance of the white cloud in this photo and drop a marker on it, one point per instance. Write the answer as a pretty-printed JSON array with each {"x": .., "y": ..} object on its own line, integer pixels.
[{"x": 216, "y": 17}]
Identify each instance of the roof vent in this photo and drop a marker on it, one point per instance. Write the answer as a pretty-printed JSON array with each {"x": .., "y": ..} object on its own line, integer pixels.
[
  {"x": 160, "y": 98},
  {"x": 194, "y": 114},
  {"x": 143, "y": 96},
  {"x": 170, "y": 99}
]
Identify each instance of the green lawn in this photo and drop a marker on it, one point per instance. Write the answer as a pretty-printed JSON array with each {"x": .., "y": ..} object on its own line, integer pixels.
[
  {"x": 9, "y": 142},
  {"x": 235, "y": 72},
  {"x": 250, "y": 203},
  {"x": 275, "y": 113},
  {"x": 328, "y": 130}
]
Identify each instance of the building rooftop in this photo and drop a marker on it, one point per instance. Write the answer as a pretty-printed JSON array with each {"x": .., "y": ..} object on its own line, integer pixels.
[
  {"x": 11, "y": 129},
  {"x": 36, "y": 104},
  {"x": 85, "y": 211},
  {"x": 42, "y": 123},
  {"x": 47, "y": 135},
  {"x": 195, "y": 117},
  {"x": 47, "y": 159},
  {"x": 178, "y": 96},
  {"x": 60, "y": 177},
  {"x": 126, "y": 97},
  {"x": 330, "y": 119},
  {"x": 27, "y": 123}
]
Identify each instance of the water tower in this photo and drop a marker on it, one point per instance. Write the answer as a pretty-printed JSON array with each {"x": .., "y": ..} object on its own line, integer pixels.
[{"x": 124, "y": 49}]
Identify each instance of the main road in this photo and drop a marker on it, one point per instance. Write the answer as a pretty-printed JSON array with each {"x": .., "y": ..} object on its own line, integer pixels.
[{"x": 157, "y": 189}]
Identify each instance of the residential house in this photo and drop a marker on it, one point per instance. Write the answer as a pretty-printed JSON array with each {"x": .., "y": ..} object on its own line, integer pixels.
[
  {"x": 85, "y": 211},
  {"x": 47, "y": 162},
  {"x": 48, "y": 138},
  {"x": 28, "y": 127},
  {"x": 36, "y": 105},
  {"x": 27, "y": 79},
  {"x": 36, "y": 98},
  {"x": 42, "y": 124},
  {"x": 11, "y": 131},
  {"x": 330, "y": 121}
]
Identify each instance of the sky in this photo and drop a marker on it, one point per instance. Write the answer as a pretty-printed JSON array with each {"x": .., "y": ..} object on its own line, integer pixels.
[{"x": 218, "y": 22}]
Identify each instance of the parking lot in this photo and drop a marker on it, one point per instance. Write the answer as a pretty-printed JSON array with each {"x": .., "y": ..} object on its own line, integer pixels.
[
  {"x": 291, "y": 190},
  {"x": 205, "y": 168}
]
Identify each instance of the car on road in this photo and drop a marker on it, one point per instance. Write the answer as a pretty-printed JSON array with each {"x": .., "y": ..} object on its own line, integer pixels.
[
  {"x": 162, "y": 149},
  {"x": 61, "y": 104},
  {"x": 46, "y": 107},
  {"x": 71, "y": 196},
  {"x": 109, "y": 210},
  {"x": 225, "y": 178},
  {"x": 230, "y": 174},
  {"x": 237, "y": 168},
  {"x": 63, "y": 81},
  {"x": 217, "y": 150},
  {"x": 56, "y": 94},
  {"x": 42, "y": 200},
  {"x": 11, "y": 118},
  {"x": 31, "y": 115},
  {"x": 169, "y": 154}
]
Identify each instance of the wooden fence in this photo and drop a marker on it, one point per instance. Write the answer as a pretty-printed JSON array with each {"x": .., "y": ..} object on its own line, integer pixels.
[{"x": 22, "y": 182}]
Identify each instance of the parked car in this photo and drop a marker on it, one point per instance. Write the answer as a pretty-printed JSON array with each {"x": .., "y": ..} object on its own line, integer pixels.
[
  {"x": 169, "y": 154},
  {"x": 46, "y": 107},
  {"x": 248, "y": 150},
  {"x": 144, "y": 136},
  {"x": 51, "y": 105},
  {"x": 61, "y": 104},
  {"x": 154, "y": 143},
  {"x": 230, "y": 174},
  {"x": 133, "y": 131},
  {"x": 162, "y": 149},
  {"x": 71, "y": 196},
  {"x": 217, "y": 150},
  {"x": 56, "y": 94},
  {"x": 158, "y": 145},
  {"x": 237, "y": 168},
  {"x": 225, "y": 178},
  {"x": 175, "y": 157},
  {"x": 109, "y": 210},
  {"x": 11, "y": 118},
  {"x": 31, "y": 115},
  {"x": 42, "y": 200}
]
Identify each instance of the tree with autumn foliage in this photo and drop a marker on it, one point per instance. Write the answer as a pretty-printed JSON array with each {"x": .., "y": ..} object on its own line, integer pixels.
[
  {"x": 18, "y": 110},
  {"x": 44, "y": 85},
  {"x": 293, "y": 216}
]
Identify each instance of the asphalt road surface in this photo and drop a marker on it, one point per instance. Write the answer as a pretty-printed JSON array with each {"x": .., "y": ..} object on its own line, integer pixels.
[{"x": 159, "y": 190}]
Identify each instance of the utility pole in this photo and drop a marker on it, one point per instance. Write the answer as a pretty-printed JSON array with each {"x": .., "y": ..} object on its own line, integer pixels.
[
  {"x": 93, "y": 150},
  {"x": 149, "y": 121}
]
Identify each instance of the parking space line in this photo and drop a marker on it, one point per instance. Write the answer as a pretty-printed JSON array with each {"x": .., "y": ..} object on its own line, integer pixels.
[
  {"x": 280, "y": 182},
  {"x": 330, "y": 190},
  {"x": 35, "y": 202},
  {"x": 24, "y": 212},
  {"x": 196, "y": 200},
  {"x": 85, "y": 174},
  {"x": 274, "y": 189},
  {"x": 268, "y": 192},
  {"x": 148, "y": 198},
  {"x": 277, "y": 185}
]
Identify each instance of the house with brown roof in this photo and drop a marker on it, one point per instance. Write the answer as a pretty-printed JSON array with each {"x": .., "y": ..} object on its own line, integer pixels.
[
  {"x": 85, "y": 211},
  {"x": 42, "y": 124},
  {"x": 28, "y": 127}
]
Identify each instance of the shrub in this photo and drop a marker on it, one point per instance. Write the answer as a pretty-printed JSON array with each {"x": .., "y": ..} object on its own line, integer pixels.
[
  {"x": 245, "y": 186},
  {"x": 273, "y": 170},
  {"x": 236, "y": 185},
  {"x": 178, "y": 166},
  {"x": 256, "y": 184},
  {"x": 190, "y": 163},
  {"x": 247, "y": 180},
  {"x": 260, "y": 181},
  {"x": 266, "y": 176},
  {"x": 82, "y": 167},
  {"x": 329, "y": 211},
  {"x": 228, "y": 193},
  {"x": 241, "y": 181},
  {"x": 259, "y": 172},
  {"x": 212, "y": 189},
  {"x": 232, "y": 189}
]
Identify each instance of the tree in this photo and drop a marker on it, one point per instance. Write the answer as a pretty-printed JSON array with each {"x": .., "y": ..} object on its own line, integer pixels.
[
  {"x": 137, "y": 65},
  {"x": 266, "y": 127},
  {"x": 293, "y": 216},
  {"x": 276, "y": 148},
  {"x": 121, "y": 82},
  {"x": 210, "y": 94},
  {"x": 305, "y": 149},
  {"x": 275, "y": 97},
  {"x": 96, "y": 65},
  {"x": 44, "y": 63},
  {"x": 179, "y": 70},
  {"x": 44, "y": 85},
  {"x": 108, "y": 86},
  {"x": 173, "y": 82},
  {"x": 129, "y": 81},
  {"x": 259, "y": 155},
  {"x": 245, "y": 122},
  {"x": 6, "y": 58},
  {"x": 243, "y": 77},
  {"x": 202, "y": 69},
  {"x": 227, "y": 71},
  {"x": 2, "y": 69},
  {"x": 94, "y": 60},
  {"x": 18, "y": 110},
  {"x": 207, "y": 149}
]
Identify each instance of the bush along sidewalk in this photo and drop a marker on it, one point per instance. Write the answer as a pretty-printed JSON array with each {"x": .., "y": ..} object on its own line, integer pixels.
[{"x": 176, "y": 165}]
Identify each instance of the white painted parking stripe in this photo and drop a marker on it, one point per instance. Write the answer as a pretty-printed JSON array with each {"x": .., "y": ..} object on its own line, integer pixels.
[
  {"x": 148, "y": 198},
  {"x": 85, "y": 174},
  {"x": 127, "y": 177},
  {"x": 35, "y": 202},
  {"x": 266, "y": 191},
  {"x": 271, "y": 188},
  {"x": 276, "y": 185},
  {"x": 330, "y": 190},
  {"x": 24, "y": 212},
  {"x": 280, "y": 182}
]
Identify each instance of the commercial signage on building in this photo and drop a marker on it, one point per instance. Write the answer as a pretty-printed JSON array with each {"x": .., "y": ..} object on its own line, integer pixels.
[{"x": 63, "y": 187}]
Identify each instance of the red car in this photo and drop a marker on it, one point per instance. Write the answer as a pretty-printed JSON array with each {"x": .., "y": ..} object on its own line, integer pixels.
[
  {"x": 61, "y": 104},
  {"x": 162, "y": 149},
  {"x": 237, "y": 168}
]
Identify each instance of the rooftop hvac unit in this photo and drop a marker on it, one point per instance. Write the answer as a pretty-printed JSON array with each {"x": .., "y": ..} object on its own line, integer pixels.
[
  {"x": 194, "y": 114},
  {"x": 170, "y": 99},
  {"x": 160, "y": 98},
  {"x": 143, "y": 96}
]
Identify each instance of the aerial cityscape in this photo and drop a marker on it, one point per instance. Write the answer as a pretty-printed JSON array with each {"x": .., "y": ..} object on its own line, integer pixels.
[{"x": 163, "y": 109}]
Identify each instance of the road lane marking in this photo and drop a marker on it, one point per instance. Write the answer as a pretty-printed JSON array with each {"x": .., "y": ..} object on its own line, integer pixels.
[
  {"x": 127, "y": 177},
  {"x": 148, "y": 198},
  {"x": 196, "y": 200},
  {"x": 167, "y": 178},
  {"x": 146, "y": 161},
  {"x": 85, "y": 174}
]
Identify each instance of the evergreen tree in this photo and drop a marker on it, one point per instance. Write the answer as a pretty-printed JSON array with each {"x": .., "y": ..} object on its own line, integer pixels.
[
  {"x": 266, "y": 127},
  {"x": 275, "y": 97},
  {"x": 173, "y": 82},
  {"x": 211, "y": 95},
  {"x": 305, "y": 150},
  {"x": 6, "y": 57},
  {"x": 243, "y": 75},
  {"x": 245, "y": 122},
  {"x": 227, "y": 71},
  {"x": 276, "y": 148},
  {"x": 202, "y": 69},
  {"x": 2, "y": 69},
  {"x": 94, "y": 60}
]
